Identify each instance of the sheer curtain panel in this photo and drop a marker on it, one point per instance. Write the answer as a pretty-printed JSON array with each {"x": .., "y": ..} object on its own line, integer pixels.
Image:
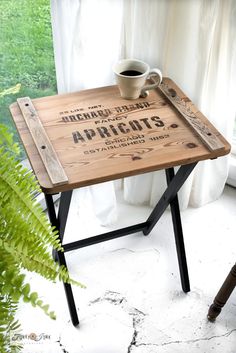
[{"x": 191, "y": 41}]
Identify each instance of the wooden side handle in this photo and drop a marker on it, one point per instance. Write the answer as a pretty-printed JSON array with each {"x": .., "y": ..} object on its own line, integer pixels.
[{"x": 42, "y": 142}]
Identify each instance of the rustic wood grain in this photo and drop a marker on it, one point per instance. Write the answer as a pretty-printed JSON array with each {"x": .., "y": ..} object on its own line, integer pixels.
[
  {"x": 99, "y": 136},
  {"x": 42, "y": 142},
  {"x": 203, "y": 131}
]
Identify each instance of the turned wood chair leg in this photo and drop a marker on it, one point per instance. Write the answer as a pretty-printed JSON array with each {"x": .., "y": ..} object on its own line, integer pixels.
[{"x": 223, "y": 295}]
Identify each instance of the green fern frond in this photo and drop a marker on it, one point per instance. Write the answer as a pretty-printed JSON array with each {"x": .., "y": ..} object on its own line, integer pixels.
[
  {"x": 7, "y": 139},
  {"x": 24, "y": 225},
  {"x": 8, "y": 304},
  {"x": 8, "y": 325},
  {"x": 12, "y": 90},
  {"x": 25, "y": 239},
  {"x": 16, "y": 190}
]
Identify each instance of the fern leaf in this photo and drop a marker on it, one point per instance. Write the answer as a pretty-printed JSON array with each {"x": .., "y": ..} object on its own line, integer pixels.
[{"x": 25, "y": 238}]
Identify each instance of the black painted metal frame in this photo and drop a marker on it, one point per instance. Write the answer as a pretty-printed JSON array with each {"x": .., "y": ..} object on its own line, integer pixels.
[{"x": 169, "y": 197}]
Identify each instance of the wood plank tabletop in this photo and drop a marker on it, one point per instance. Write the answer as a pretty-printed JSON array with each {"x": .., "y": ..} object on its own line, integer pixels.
[{"x": 98, "y": 136}]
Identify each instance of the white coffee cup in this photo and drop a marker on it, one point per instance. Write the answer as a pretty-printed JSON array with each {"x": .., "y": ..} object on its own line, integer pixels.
[{"x": 131, "y": 76}]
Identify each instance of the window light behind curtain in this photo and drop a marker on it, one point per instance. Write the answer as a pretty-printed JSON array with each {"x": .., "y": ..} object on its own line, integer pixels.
[{"x": 191, "y": 41}]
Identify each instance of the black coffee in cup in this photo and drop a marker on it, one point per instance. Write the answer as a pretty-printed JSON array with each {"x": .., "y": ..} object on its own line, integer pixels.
[
  {"x": 131, "y": 73},
  {"x": 131, "y": 76}
]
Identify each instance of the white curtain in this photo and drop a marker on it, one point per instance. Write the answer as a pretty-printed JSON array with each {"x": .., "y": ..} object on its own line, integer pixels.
[{"x": 191, "y": 41}]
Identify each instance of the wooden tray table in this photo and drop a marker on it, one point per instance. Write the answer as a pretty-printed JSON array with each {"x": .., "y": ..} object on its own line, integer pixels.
[{"x": 88, "y": 137}]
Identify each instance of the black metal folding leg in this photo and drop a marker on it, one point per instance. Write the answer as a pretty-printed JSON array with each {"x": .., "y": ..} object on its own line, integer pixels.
[
  {"x": 170, "y": 193},
  {"x": 179, "y": 239},
  {"x": 169, "y": 197},
  {"x": 174, "y": 182},
  {"x": 60, "y": 223}
]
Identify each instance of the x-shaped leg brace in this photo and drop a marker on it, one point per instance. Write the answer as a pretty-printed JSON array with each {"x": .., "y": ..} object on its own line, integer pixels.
[{"x": 169, "y": 197}]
